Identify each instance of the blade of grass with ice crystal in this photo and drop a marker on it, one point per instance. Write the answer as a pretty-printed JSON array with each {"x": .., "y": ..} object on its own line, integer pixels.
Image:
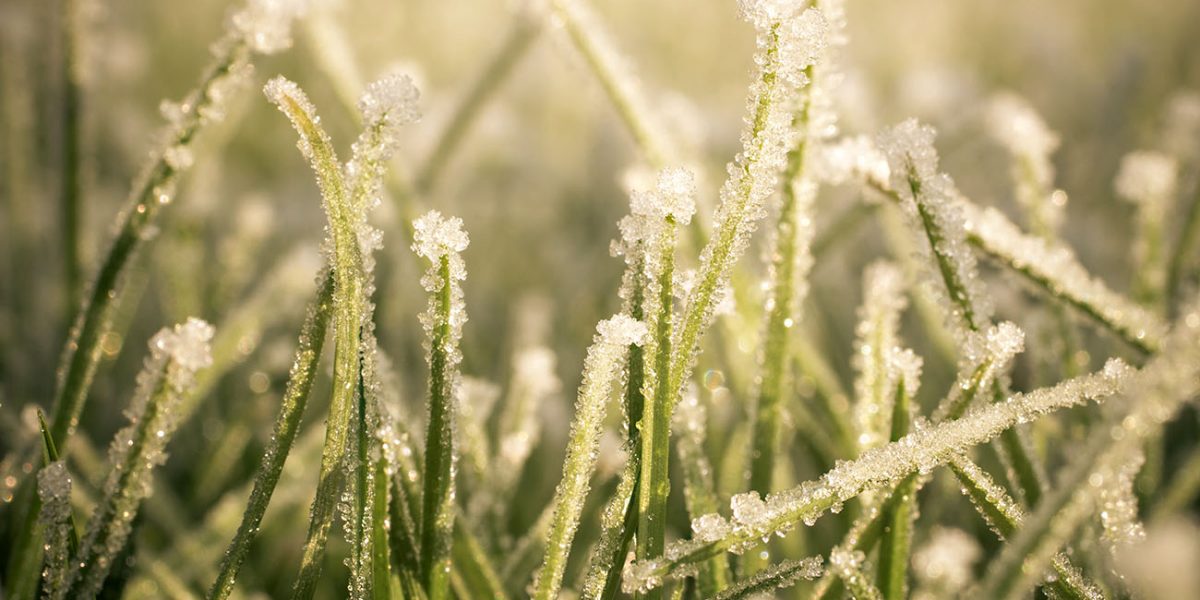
[
  {"x": 440, "y": 240},
  {"x": 788, "y": 42},
  {"x": 287, "y": 425},
  {"x": 698, "y": 488},
  {"x": 928, "y": 198},
  {"x": 602, "y": 370},
  {"x": 791, "y": 260},
  {"x": 1163, "y": 387},
  {"x": 921, "y": 450},
  {"x": 175, "y": 357},
  {"x": 348, "y": 305},
  {"x": 776, "y": 577}
]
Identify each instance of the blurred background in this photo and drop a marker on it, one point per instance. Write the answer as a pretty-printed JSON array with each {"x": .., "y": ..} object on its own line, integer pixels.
[{"x": 536, "y": 178}]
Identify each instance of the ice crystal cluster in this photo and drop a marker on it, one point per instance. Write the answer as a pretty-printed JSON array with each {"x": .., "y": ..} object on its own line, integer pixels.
[{"x": 878, "y": 355}]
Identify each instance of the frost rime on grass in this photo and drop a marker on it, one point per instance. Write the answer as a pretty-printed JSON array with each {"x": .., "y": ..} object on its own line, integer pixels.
[
  {"x": 601, "y": 373},
  {"x": 176, "y": 354},
  {"x": 755, "y": 519},
  {"x": 440, "y": 240}
]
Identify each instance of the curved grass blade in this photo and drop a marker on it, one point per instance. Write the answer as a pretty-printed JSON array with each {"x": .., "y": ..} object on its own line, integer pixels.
[{"x": 287, "y": 425}]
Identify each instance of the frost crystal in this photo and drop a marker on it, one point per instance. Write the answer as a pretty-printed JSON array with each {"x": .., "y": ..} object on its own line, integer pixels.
[
  {"x": 674, "y": 197},
  {"x": 1147, "y": 178},
  {"x": 876, "y": 342},
  {"x": 436, "y": 236},
  {"x": 1055, "y": 267},
  {"x": 266, "y": 25},
  {"x": 920, "y": 451},
  {"x": 54, "y": 491}
]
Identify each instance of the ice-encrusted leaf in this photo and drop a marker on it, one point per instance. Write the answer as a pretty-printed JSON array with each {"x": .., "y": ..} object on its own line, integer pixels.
[
  {"x": 602, "y": 370},
  {"x": 441, "y": 240}
]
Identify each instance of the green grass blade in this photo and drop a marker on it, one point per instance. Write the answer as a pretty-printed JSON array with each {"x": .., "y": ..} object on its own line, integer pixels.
[
  {"x": 790, "y": 264},
  {"x": 921, "y": 450},
  {"x": 602, "y": 370},
  {"x": 698, "y": 487},
  {"x": 287, "y": 426},
  {"x": 176, "y": 355},
  {"x": 776, "y": 577},
  {"x": 348, "y": 304},
  {"x": 896, "y": 544},
  {"x": 440, "y": 241}
]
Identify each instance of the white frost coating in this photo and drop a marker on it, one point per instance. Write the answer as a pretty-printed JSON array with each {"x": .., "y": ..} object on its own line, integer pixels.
[
  {"x": 763, "y": 585},
  {"x": 436, "y": 236},
  {"x": 876, "y": 339},
  {"x": 852, "y": 158},
  {"x": 176, "y": 354},
  {"x": 1056, "y": 267},
  {"x": 674, "y": 196},
  {"x": 602, "y": 372},
  {"x": 54, "y": 491},
  {"x": 1147, "y": 178},
  {"x": 920, "y": 451},
  {"x": 266, "y": 25},
  {"x": 1119, "y": 503},
  {"x": 945, "y": 563},
  {"x": 802, "y": 34},
  {"x": 848, "y": 565},
  {"x": 928, "y": 199},
  {"x": 391, "y": 100},
  {"x": 784, "y": 51}
]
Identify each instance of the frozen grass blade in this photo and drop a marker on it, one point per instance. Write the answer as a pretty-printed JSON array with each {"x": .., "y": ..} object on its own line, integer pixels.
[
  {"x": 601, "y": 372},
  {"x": 671, "y": 203},
  {"x": 776, "y": 577},
  {"x": 287, "y": 425},
  {"x": 928, "y": 198},
  {"x": 385, "y": 106},
  {"x": 698, "y": 491},
  {"x": 898, "y": 518},
  {"x": 921, "y": 450},
  {"x": 877, "y": 337},
  {"x": 260, "y": 27},
  {"x": 789, "y": 41},
  {"x": 348, "y": 303},
  {"x": 1004, "y": 516},
  {"x": 440, "y": 240},
  {"x": 1163, "y": 386},
  {"x": 791, "y": 260},
  {"x": 175, "y": 357},
  {"x": 59, "y": 538}
]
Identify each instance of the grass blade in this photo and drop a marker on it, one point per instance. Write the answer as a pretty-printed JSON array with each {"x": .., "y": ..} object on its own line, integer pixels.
[
  {"x": 440, "y": 241},
  {"x": 175, "y": 357},
  {"x": 602, "y": 370}
]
